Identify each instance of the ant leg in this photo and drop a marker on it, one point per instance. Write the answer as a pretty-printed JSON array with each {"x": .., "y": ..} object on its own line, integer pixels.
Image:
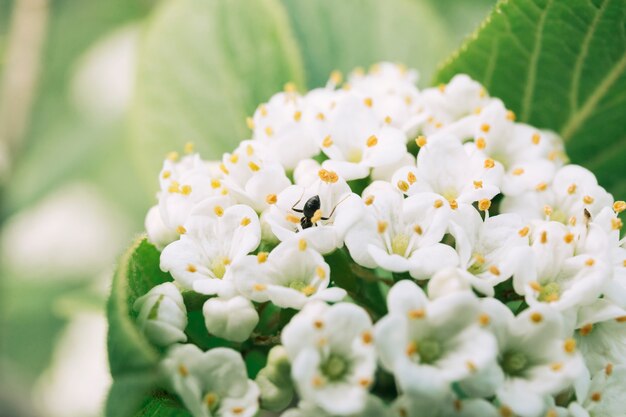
[
  {"x": 298, "y": 202},
  {"x": 334, "y": 208}
]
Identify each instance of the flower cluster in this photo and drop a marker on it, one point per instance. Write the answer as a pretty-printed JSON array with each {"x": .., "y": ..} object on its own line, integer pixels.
[{"x": 501, "y": 264}]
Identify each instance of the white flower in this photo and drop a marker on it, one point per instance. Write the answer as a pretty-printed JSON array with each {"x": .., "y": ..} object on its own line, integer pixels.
[
  {"x": 332, "y": 355},
  {"x": 339, "y": 209},
  {"x": 535, "y": 359},
  {"x": 444, "y": 167},
  {"x": 184, "y": 183},
  {"x": 283, "y": 126},
  {"x": 602, "y": 396},
  {"x": 214, "y": 238},
  {"x": 230, "y": 318},
  {"x": 213, "y": 383},
  {"x": 289, "y": 276},
  {"x": 530, "y": 156},
  {"x": 442, "y": 105},
  {"x": 601, "y": 334},
  {"x": 400, "y": 234},
  {"x": 162, "y": 315},
  {"x": 385, "y": 172},
  {"x": 566, "y": 269},
  {"x": 429, "y": 344},
  {"x": 374, "y": 407},
  {"x": 490, "y": 251},
  {"x": 449, "y": 406},
  {"x": 392, "y": 88},
  {"x": 253, "y": 174},
  {"x": 573, "y": 190},
  {"x": 355, "y": 141}
]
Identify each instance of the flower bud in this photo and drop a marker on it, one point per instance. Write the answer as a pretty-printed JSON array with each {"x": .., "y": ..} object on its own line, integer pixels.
[
  {"x": 162, "y": 315},
  {"x": 445, "y": 282},
  {"x": 231, "y": 319},
  {"x": 158, "y": 233}
]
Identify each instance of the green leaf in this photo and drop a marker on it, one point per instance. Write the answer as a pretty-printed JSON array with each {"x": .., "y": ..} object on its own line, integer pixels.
[
  {"x": 162, "y": 406},
  {"x": 128, "y": 393},
  {"x": 204, "y": 65},
  {"x": 349, "y": 33},
  {"x": 138, "y": 271},
  {"x": 559, "y": 64}
]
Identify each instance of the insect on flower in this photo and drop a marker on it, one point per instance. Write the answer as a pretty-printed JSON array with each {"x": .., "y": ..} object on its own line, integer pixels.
[{"x": 311, "y": 211}]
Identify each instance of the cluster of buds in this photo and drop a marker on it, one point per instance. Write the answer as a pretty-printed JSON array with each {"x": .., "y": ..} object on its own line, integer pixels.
[{"x": 501, "y": 264}]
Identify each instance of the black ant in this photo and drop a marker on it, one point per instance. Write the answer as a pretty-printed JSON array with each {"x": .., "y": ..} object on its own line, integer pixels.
[{"x": 309, "y": 210}]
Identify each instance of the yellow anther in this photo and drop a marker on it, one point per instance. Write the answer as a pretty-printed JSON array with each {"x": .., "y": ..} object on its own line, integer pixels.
[
  {"x": 505, "y": 411},
  {"x": 210, "y": 399},
  {"x": 382, "y": 226},
  {"x": 608, "y": 369},
  {"x": 510, "y": 115},
  {"x": 181, "y": 230},
  {"x": 253, "y": 167},
  {"x": 556, "y": 366},
  {"x": 309, "y": 290},
  {"x": 182, "y": 370},
  {"x": 403, "y": 185},
  {"x": 174, "y": 187},
  {"x": 418, "y": 229},
  {"x": 290, "y": 87},
  {"x": 365, "y": 382},
  {"x": 484, "y": 319},
  {"x": 219, "y": 211},
  {"x": 224, "y": 191},
  {"x": 421, "y": 141},
  {"x": 410, "y": 177},
  {"x": 320, "y": 116},
  {"x": 453, "y": 204},
  {"x": 237, "y": 410},
  {"x": 297, "y": 116},
  {"x": 442, "y": 87},
  {"x": 494, "y": 270},
  {"x": 616, "y": 224},
  {"x": 263, "y": 110},
  {"x": 369, "y": 200},
  {"x": 388, "y": 120},
  {"x": 269, "y": 131},
  {"x": 418, "y": 313},
  {"x": 234, "y": 158},
  {"x": 568, "y": 238},
  {"x": 185, "y": 190},
  {"x": 438, "y": 125},
  {"x": 479, "y": 259},
  {"x": 551, "y": 413},
  {"x": 571, "y": 189},
  {"x": 572, "y": 221},
  {"x": 586, "y": 329},
  {"x": 547, "y": 210},
  {"x": 588, "y": 199},
  {"x": 518, "y": 171},
  {"x": 596, "y": 396},
  {"x": 371, "y": 141},
  {"x": 245, "y": 221},
  {"x": 480, "y": 143},
  {"x": 191, "y": 268},
  {"x": 172, "y": 156},
  {"x": 215, "y": 183},
  {"x": 542, "y": 186},
  {"x": 250, "y": 123},
  {"x": 249, "y": 150},
  {"x": 368, "y": 101},
  {"x": 535, "y": 286},
  {"x": 320, "y": 272},
  {"x": 485, "y": 127},
  {"x": 536, "y": 138},
  {"x": 523, "y": 232},
  {"x": 484, "y": 204},
  {"x": 536, "y": 317},
  {"x": 302, "y": 245},
  {"x": 271, "y": 198},
  {"x": 569, "y": 345},
  {"x": 223, "y": 168},
  {"x": 544, "y": 237},
  {"x": 411, "y": 349},
  {"x": 621, "y": 319},
  {"x": 336, "y": 77},
  {"x": 317, "y": 382},
  {"x": 408, "y": 100},
  {"x": 438, "y": 204},
  {"x": 262, "y": 257},
  {"x": 478, "y": 184},
  {"x": 259, "y": 287},
  {"x": 318, "y": 324},
  {"x": 489, "y": 163},
  {"x": 367, "y": 337},
  {"x": 482, "y": 93},
  {"x": 292, "y": 219},
  {"x": 590, "y": 262},
  {"x": 188, "y": 148},
  {"x": 166, "y": 174},
  {"x": 327, "y": 142},
  {"x": 471, "y": 366},
  {"x": 619, "y": 206}
]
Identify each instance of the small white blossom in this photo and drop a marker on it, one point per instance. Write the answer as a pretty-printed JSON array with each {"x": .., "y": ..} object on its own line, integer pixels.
[
  {"x": 252, "y": 174},
  {"x": 230, "y": 318},
  {"x": 339, "y": 209},
  {"x": 158, "y": 233},
  {"x": 429, "y": 344},
  {"x": 332, "y": 355},
  {"x": 212, "y": 383},
  {"x": 214, "y": 238},
  {"x": 449, "y": 406},
  {"x": 400, "y": 234},
  {"x": 604, "y": 395},
  {"x": 289, "y": 276},
  {"x": 283, "y": 126},
  {"x": 392, "y": 88},
  {"x": 444, "y": 167},
  {"x": 374, "y": 407},
  {"x": 162, "y": 315},
  {"x": 355, "y": 141}
]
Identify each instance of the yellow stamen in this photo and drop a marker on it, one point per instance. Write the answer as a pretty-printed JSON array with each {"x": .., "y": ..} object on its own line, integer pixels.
[
  {"x": 480, "y": 143},
  {"x": 271, "y": 198},
  {"x": 569, "y": 345},
  {"x": 188, "y": 148},
  {"x": 368, "y": 102},
  {"x": 438, "y": 203},
  {"x": 536, "y": 138},
  {"x": 588, "y": 199},
  {"x": 484, "y": 204},
  {"x": 259, "y": 287},
  {"x": 421, "y": 141},
  {"x": 417, "y": 313},
  {"x": 485, "y": 128},
  {"x": 181, "y": 230},
  {"x": 403, "y": 185},
  {"x": 489, "y": 163},
  {"x": 478, "y": 185},
  {"x": 523, "y": 232},
  {"x": 327, "y": 142},
  {"x": 571, "y": 189},
  {"x": 586, "y": 329},
  {"x": 245, "y": 221},
  {"x": 262, "y": 257},
  {"x": 253, "y": 167},
  {"x": 371, "y": 141},
  {"x": 382, "y": 226},
  {"x": 219, "y": 211},
  {"x": 302, "y": 245},
  {"x": 185, "y": 190},
  {"x": 172, "y": 156},
  {"x": 250, "y": 123},
  {"x": 536, "y": 317},
  {"x": 619, "y": 206},
  {"x": 542, "y": 186},
  {"x": 297, "y": 116}
]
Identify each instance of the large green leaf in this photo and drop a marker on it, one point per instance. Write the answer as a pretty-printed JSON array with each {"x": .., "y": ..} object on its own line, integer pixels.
[
  {"x": 345, "y": 34},
  {"x": 204, "y": 66},
  {"x": 559, "y": 64}
]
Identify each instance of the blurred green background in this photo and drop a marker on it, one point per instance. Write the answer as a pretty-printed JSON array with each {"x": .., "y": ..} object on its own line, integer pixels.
[{"x": 72, "y": 193}]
